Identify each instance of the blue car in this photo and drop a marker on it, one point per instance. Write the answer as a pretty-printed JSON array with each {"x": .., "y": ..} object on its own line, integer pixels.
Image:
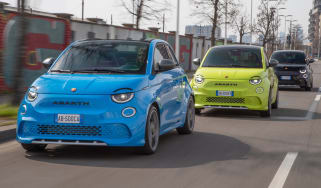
[{"x": 115, "y": 93}]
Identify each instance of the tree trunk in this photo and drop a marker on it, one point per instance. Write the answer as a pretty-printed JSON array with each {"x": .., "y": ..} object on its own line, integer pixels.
[
  {"x": 213, "y": 39},
  {"x": 241, "y": 38},
  {"x": 139, "y": 13},
  {"x": 18, "y": 89}
]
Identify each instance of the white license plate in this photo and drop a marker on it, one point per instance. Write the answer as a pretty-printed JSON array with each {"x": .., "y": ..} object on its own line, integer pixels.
[
  {"x": 68, "y": 118},
  {"x": 225, "y": 93},
  {"x": 286, "y": 78}
]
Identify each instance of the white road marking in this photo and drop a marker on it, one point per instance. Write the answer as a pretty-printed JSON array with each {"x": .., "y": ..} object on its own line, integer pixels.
[
  {"x": 317, "y": 98},
  {"x": 284, "y": 170}
]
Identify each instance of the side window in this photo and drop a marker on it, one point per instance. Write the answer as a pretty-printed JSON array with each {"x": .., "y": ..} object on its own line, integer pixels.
[
  {"x": 172, "y": 55},
  {"x": 161, "y": 52}
]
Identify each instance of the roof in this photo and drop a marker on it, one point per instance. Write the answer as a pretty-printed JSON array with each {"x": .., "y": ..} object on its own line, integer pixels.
[
  {"x": 240, "y": 46},
  {"x": 105, "y": 41},
  {"x": 289, "y": 51}
]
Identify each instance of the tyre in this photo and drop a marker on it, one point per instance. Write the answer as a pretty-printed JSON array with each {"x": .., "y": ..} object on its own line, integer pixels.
[
  {"x": 34, "y": 147},
  {"x": 268, "y": 112},
  {"x": 308, "y": 88},
  {"x": 198, "y": 111},
  {"x": 190, "y": 119},
  {"x": 152, "y": 131},
  {"x": 275, "y": 105}
]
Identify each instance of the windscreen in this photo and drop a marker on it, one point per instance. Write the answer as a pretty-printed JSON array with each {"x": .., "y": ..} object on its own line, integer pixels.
[
  {"x": 234, "y": 58},
  {"x": 289, "y": 57},
  {"x": 115, "y": 57}
]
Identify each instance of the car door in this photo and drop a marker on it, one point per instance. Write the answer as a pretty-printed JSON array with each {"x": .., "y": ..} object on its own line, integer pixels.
[
  {"x": 272, "y": 77},
  {"x": 166, "y": 92},
  {"x": 180, "y": 84}
]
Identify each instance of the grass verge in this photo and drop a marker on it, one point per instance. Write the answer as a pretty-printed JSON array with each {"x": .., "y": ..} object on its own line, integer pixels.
[{"x": 8, "y": 112}]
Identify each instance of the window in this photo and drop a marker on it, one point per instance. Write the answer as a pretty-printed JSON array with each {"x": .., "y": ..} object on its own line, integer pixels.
[
  {"x": 161, "y": 52},
  {"x": 91, "y": 35},
  {"x": 172, "y": 54},
  {"x": 234, "y": 57},
  {"x": 108, "y": 36}
]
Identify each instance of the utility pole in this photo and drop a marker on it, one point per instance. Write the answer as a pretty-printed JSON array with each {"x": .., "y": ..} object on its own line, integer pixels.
[
  {"x": 177, "y": 31},
  {"x": 225, "y": 40},
  {"x": 319, "y": 44},
  {"x": 83, "y": 10},
  {"x": 163, "y": 23},
  {"x": 133, "y": 11},
  {"x": 111, "y": 19}
]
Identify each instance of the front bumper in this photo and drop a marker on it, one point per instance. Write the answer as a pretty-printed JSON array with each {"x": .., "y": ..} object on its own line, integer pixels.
[
  {"x": 297, "y": 79},
  {"x": 245, "y": 96},
  {"x": 102, "y": 123}
]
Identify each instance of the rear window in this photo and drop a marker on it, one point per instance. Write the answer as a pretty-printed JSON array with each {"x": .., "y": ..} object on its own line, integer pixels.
[
  {"x": 234, "y": 58},
  {"x": 289, "y": 57}
]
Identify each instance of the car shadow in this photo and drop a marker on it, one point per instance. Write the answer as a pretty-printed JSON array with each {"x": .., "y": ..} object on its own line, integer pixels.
[
  {"x": 281, "y": 114},
  {"x": 175, "y": 151},
  {"x": 298, "y": 89}
]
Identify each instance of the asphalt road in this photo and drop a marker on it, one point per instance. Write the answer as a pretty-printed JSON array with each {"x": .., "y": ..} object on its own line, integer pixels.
[{"x": 228, "y": 149}]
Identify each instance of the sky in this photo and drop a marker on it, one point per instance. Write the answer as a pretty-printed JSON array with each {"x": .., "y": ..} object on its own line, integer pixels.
[{"x": 105, "y": 8}]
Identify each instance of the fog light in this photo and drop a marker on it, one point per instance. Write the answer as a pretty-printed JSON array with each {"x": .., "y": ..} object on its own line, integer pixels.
[
  {"x": 259, "y": 90},
  {"x": 128, "y": 112},
  {"x": 24, "y": 109},
  {"x": 305, "y": 76}
]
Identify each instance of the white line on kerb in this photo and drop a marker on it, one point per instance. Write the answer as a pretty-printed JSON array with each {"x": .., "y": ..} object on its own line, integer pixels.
[
  {"x": 317, "y": 98},
  {"x": 284, "y": 170}
]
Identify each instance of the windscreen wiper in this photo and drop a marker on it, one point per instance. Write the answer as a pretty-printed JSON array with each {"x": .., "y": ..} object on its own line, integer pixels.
[
  {"x": 61, "y": 71},
  {"x": 98, "y": 70}
]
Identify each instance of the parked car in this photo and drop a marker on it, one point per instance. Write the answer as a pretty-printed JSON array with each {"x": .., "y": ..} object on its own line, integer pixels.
[
  {"x": 236, "y": 77},
  {"x": 294, "y": 68},
  {"x": 107, "y": 93}
]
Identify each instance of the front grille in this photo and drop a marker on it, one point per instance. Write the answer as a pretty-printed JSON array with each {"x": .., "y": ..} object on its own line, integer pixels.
[
  {"x": 226, "y": 84},
  {"x": 288, "y": 69},
  {"x": 108, "y": 131},
  {"x": 69, "y": 130},
  {"x": 224, "y": 100}
]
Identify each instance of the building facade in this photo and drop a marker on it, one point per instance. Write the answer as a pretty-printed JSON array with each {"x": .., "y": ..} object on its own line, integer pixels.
[
  {"x": 314, "y": 26},
  {"x": 202, "y": 31}
]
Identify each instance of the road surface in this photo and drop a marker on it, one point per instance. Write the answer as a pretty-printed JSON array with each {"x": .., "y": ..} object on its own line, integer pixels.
[{"x": 228, "y": 149}]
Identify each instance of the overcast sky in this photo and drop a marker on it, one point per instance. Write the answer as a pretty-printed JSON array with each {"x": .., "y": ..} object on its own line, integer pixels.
[{"x": 104, "y": 8}]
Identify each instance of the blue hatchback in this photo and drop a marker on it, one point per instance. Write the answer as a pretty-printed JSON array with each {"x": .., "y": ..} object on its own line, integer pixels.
[{"x": 107, "y": 93}]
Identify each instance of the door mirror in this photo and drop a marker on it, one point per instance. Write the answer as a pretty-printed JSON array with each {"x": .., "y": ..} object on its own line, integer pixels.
[
  {"x": 197, "y": 61},
  {"x": 311, "y": 61},
  {"x": 273, "y": 62},
  {"x": 165, "y": 65},
  {"x": 48, "y": 62}
]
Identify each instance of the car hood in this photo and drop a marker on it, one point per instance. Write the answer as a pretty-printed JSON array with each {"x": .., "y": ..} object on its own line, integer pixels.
[
  {"x": 89, "y": 84},
  {"x": 229, "y": 73}
]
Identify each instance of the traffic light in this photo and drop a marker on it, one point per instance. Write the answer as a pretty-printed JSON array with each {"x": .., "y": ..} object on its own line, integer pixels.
[{"x": 288, "y": 39}]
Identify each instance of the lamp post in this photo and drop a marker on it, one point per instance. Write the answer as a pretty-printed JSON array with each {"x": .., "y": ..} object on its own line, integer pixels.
[
  {"x": 277, "y": 28},
  {"x": 251, "y": 22},
  {"x": 177, "y": 31},
  {"x": 285, "y": 20},
  {"x": 291, "y": 22},
  {"x": 225, "y": 39}
]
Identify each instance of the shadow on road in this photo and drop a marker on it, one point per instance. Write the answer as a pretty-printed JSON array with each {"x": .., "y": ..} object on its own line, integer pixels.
[
  {"x": 175, "y": 151},
  {"x": 281, "y": 114}
]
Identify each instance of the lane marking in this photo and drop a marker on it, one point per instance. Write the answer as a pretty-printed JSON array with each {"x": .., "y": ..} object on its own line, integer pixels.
[
  {"x": 283, "y": 171},
  {"x": 317, "y": 98}
]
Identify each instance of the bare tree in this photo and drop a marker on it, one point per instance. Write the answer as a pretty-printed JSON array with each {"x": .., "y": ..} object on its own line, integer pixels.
[
  {"x": 21, "y": 51},
  {"x": 266, "y": 22},
  {"x": 213, "y": 12},
  {"x": 146, "y": 9},
  {"x": 241, "y": 25}
]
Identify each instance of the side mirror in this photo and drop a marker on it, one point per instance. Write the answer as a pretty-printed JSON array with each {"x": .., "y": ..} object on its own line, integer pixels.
[
  {"x": 273, "y": 62},
  {"x": 311, "y": 61},
  {"x": 197, "y": 61},
  {"x": 165, "y": 65},
  {"x": 48, "y": 62}
]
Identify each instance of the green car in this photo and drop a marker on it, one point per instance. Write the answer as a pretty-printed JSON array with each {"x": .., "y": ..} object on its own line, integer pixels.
[{"x": 236, "y": 77}]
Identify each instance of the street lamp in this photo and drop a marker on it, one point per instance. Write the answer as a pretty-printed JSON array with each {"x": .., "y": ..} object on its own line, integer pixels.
[
  {"x": 277, "y": 27},
  {"x": 291, "y": 22},
  {"x": 177, "y": 31},
  {"x": 285, "y": 20}
]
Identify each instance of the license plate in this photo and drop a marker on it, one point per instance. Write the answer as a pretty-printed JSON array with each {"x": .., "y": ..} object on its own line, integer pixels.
[
  {"x": 225, "y": 93},
  {"x": 68, "y": 118},
  {"x": 286, "y": 78}
]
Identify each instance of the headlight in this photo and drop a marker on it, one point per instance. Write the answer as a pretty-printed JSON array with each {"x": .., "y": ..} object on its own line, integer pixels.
[
  {"x": 199, "y": 79},
  {"x": 122, "y": 98},
  {"x": 303, "y": 71},
  {"x": 255, "y": 80},
  {"x": 32, "y": 94}
]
